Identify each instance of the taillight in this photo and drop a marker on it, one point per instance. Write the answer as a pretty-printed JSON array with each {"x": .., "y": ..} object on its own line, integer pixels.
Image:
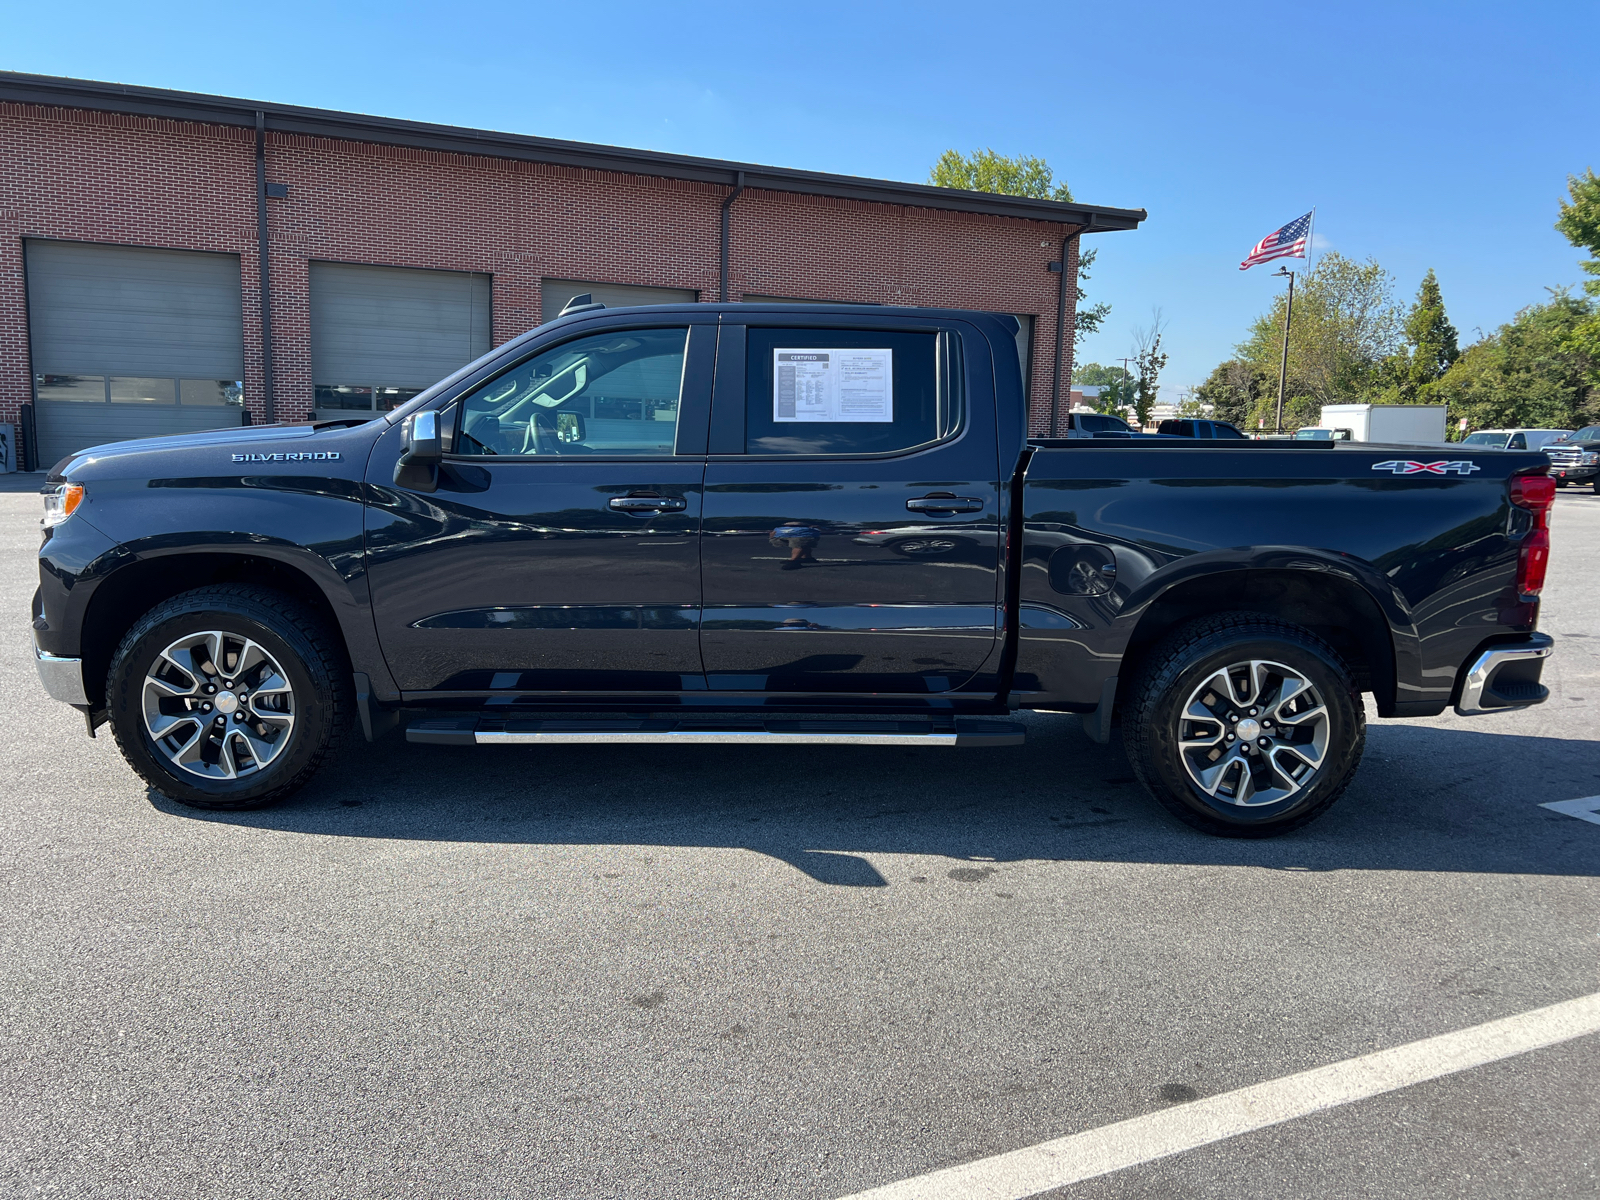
[{"x": 1536, "y": 493}]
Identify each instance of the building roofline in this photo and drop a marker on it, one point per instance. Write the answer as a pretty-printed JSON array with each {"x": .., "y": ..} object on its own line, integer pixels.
[{"x": 58, "y": 91}]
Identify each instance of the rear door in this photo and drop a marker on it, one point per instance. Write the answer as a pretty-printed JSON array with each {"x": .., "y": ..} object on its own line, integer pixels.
[{"x": 852, "y": 536}]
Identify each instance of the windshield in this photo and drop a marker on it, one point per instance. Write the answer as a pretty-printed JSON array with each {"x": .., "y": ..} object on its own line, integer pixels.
[
  {"x": 1539, "y": 438},
  {"x": 1589, "y": 433},
  {"x": 1308, "y": 435},
  {"x": 1485, "y": 439}
]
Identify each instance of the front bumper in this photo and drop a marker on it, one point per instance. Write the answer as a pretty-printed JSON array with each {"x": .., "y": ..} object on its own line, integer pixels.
[
  {"x": 1575, "y": 475},
  {"x": 1505, "y": 677},
  {"x": 62, "y": 677}
]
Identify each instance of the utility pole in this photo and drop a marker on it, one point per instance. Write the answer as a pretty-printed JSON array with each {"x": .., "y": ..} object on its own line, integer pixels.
[
  {"x": 1127, "y": 382},
  {"x": 1283, "y": 366}
]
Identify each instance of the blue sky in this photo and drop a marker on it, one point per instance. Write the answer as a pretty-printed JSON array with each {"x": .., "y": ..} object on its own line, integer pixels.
[{"x": 1426, "y": 134}]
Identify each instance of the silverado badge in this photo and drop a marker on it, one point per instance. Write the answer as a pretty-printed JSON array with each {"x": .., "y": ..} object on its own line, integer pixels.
[
  {"x": 1406, "y": 466},
  {"x": 291, "y": 456}
]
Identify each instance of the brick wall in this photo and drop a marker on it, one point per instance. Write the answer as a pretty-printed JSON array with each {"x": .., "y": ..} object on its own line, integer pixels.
[{"x": 99, "y": 177}]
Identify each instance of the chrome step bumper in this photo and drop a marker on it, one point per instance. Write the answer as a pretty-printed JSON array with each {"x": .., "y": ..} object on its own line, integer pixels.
[
  {"x": 1506, "y": 677},
  {"x": 961, "y": 733}
]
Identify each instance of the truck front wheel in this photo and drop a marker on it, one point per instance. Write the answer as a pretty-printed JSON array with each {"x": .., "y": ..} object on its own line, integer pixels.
[
  {"x": 228, "y": 697},
  {"x": 1244, "y": 726}
]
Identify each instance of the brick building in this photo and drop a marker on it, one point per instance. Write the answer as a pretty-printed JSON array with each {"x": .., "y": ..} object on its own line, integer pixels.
[{"x": 132, "y": 225}]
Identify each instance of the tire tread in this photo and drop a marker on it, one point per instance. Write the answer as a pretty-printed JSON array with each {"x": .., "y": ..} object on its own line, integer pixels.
[
  {"x": 1168, "y": 659},
  {"x": 285, "y": 616}
]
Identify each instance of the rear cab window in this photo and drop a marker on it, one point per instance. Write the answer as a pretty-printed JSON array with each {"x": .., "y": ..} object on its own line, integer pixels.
[{"x": 831, "y": 391}]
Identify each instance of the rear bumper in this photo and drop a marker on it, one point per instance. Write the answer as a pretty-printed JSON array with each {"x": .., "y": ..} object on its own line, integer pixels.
[
  {"x": 62, "y": 677},
  {"x": 1505, "y": 677}
]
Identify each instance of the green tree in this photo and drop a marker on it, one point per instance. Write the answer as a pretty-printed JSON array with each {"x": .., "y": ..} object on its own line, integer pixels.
[
  {"x": 1149, "y": 361},
  {"x": 1534, "y": 371},
  {"x": 1345, "y": 325},
  {"x": 1580, "y": 223},
  {"x": 1094, "y": 375},
  {"x": 1429, "y": 349},
  {"x": 1233, "y": 390},
  {"x": 1023, "y": 175},
  {"x": 1116, "y": 396},
  {"x": 986, "y": 171}
]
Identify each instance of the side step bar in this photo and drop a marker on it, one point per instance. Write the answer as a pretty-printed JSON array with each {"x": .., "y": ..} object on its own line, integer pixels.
[{"x": 960, "y": 733}]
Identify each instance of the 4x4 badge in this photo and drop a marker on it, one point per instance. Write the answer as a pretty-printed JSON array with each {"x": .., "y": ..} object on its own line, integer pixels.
[{"x": 1407, "y": 466}]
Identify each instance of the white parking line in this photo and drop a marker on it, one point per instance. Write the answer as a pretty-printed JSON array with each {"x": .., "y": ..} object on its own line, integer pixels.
[
  {"x": 1587, "y": 809},
  {"x": 1054, "y": 1164}
]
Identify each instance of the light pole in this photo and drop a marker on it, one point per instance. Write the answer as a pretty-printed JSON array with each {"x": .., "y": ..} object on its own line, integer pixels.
[{"x": 1283, "y": 365}]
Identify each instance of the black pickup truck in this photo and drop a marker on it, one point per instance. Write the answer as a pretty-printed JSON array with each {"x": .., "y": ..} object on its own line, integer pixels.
[{"x": 780, "y": 524}]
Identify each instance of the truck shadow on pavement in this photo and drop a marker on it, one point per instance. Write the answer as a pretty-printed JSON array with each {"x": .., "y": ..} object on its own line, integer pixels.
[{"x": 1425, "y": 799}]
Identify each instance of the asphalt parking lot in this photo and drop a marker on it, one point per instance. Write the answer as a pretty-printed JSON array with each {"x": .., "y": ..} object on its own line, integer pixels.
[{"x": 759, "y": 972}]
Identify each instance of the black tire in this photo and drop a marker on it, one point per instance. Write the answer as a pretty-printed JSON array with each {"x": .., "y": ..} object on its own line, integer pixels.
[
  {"x": 317, "y": 700},
  {"x": 1157, "y": 718}
]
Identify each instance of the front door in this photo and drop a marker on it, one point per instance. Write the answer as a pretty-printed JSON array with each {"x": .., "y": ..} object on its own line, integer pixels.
[
  {"x": 560, "y": 552},
  {"x": 852, "y": 535}
]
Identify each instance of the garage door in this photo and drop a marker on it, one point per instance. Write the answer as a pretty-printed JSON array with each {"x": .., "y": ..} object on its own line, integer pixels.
[
  {"x": 130, "y": 342},
  {"x": 380, "y": 335},
  {"x": 555, "y": 294}
]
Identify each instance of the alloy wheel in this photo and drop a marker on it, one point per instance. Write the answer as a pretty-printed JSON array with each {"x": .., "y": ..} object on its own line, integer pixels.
[
  {"x": 1253, "y": 733},
  {"x": 218, "y": 705}
]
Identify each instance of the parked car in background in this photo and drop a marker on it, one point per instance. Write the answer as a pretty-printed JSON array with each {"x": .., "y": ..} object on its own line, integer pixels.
[
  {"x": 1515, "y": 439},
  {"x": 1091, "y": 425},
  {"x": 1184, "y": 427},
  {"x": 1575, "y": 458},
  {"x": 1319, "y": 434}
]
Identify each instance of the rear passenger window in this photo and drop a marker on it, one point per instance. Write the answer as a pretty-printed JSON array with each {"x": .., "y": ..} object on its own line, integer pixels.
[{"x": 837, "y": 391}]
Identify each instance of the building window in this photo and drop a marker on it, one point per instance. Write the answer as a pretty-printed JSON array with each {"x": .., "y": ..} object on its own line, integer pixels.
[
  {"x": 138, "y": 389},
  {"x": 362, "y": 397},
  {"x": 90, "y": 388}
]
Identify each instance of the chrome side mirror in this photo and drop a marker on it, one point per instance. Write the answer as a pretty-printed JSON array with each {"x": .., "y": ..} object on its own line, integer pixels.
[
  {"x": 422, "y": 440},
  {"x": 422, "y": 450}
]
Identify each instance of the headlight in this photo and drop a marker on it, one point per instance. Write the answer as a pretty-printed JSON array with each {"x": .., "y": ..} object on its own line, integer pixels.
[
  {"x": 1589, "y": 457},
  {"x": 60, "y": 502}
]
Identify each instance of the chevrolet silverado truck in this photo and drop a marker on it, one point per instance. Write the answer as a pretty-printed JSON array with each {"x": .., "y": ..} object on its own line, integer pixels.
[
  {"x": 780, "y": 524},
  {"x": 1575, "y": 457}
]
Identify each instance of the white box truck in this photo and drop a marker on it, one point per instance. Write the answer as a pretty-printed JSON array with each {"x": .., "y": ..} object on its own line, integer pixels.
[{"x": 1406, "y": 424}]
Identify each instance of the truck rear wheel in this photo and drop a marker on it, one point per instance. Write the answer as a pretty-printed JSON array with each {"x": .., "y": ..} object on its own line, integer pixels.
[
  {"x": 1245, "y": 726},
  {"x": 228, "y": 697}
]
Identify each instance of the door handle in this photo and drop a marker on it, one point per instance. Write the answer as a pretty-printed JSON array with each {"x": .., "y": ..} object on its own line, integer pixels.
[
  {"x": 945, "y": 503},
  {"x": 633, "y": 504}
]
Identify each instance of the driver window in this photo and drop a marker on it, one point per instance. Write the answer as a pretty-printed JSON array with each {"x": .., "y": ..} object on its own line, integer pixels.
[
  {"x": 1518, "y": 442},
  {"x": 611, "y": 393}
]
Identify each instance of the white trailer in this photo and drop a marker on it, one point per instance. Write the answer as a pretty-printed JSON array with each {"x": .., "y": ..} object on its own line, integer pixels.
[{"x": 1403, "y": 424}]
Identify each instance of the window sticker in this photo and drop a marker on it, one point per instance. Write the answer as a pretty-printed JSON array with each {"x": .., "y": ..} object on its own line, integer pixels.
[{"x": 831, "y": 385}]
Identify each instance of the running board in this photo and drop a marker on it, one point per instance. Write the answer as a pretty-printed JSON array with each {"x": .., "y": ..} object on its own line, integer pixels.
[{"x": 960, "y": 733}]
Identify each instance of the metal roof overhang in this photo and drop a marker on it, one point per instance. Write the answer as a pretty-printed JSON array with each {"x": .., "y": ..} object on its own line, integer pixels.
[{"x": 61, "y": 92}]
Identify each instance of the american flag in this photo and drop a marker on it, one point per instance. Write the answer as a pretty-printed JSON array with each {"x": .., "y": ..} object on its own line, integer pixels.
[{"x": 1288, "y": 242}]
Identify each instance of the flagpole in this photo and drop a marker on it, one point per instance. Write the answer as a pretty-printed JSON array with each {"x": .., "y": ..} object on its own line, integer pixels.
[{"x": 1283, "y": 365}]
